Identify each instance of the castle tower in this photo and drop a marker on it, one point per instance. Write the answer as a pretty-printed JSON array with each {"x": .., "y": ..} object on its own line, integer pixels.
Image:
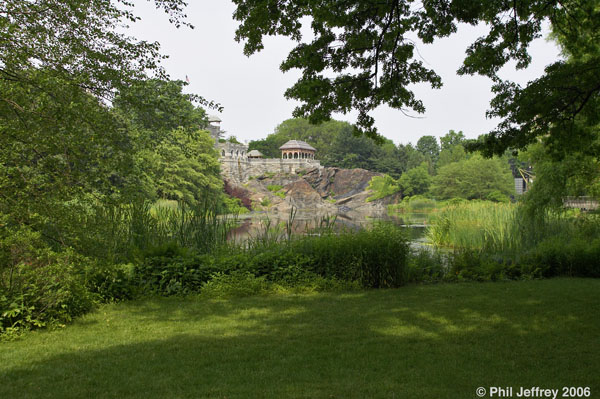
[{"x": 214, "y": 127}]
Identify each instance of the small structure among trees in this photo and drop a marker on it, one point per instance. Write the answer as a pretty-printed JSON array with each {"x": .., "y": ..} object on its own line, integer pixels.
[
  {"x": 255, "y": 154},
  {"x": 297, "y": 149}
]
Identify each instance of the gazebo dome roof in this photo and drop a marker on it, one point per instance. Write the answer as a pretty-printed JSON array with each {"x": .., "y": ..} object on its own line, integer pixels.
[
  {"x": 297, "y": 145},
  {"x": 213, "y": 118},
  {"x": 255, "y": 153}
]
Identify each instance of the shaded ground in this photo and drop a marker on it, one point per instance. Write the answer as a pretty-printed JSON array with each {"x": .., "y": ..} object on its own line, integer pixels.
[{"x": 439, "y": 341}]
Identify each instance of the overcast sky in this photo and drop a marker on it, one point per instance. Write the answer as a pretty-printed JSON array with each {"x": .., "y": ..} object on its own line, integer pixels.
[{"x": 251, "y": 89}]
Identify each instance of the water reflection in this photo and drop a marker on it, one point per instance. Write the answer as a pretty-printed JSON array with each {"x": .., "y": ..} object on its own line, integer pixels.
[{"x": 255, "y": 225}]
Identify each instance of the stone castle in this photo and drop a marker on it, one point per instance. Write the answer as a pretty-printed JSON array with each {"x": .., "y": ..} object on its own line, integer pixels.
[{"x": 238, "y": 165}]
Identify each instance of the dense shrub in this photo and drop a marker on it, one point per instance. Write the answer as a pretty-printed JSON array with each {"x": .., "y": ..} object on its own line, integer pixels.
[
  {"x": 376, "y": 258},
  {"x": 37, "y": 285},
  {"x": 171, "y": 270},
  {"x": 425, "y": 265},
  {"x": 112, "y": 282},
  {"x": 382, "y": 186},
  {"x": 557, "y": 256}
]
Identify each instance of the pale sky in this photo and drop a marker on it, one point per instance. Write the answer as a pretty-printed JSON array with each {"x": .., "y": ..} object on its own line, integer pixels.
[{"x": 251, "y": 90}]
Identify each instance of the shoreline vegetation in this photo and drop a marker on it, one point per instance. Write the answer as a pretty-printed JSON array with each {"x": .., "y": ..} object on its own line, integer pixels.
[{"x": 166, "y": 249}]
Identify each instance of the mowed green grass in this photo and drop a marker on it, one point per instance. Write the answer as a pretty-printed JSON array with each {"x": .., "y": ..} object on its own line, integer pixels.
[{"x": 436, "y": 341}]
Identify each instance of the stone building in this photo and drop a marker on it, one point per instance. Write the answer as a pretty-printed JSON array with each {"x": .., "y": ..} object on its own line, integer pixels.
[
  {"x": 297, "y": 149},
  {"x": 238, "y": 165}
]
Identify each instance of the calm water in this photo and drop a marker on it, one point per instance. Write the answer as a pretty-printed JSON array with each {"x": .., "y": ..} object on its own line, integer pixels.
[{"x": 254, "y": 225}]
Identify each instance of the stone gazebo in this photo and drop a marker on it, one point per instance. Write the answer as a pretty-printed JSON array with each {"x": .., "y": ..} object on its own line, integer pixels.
[{"x": 296, "y": 149}]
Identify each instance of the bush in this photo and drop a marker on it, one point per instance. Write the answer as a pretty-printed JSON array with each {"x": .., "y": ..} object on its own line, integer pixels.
[
  {"x": 376, "y": 258},
  {"x": 112, "y": 282},
  {"x": 382, "y": 186},
  {"x": 557, "y": 256},
  {"x": 38, "y": 286},
  {"x": 425, "y": 266},
  {"x": 274, "y": 187},
  {"x": 176, "y": 273}
]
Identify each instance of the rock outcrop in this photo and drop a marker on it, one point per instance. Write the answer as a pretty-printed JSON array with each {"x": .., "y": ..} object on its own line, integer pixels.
[{"x": 320, "y": 189}]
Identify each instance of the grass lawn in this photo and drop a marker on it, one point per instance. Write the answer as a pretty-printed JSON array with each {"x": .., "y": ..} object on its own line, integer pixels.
[{"x": 437, "y": 341}]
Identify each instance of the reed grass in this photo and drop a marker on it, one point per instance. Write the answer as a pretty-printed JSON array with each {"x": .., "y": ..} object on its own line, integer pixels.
[
  {"x": 505, "y": 227},
  {"x": 477, "y": 225},
  {"x": 118, "y": 232}
]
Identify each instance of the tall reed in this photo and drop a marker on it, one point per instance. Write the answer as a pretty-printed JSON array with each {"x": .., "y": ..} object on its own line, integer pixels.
[
  {"x": 501, "y": 227},
  {"x": 117, "y": 232},
  {"x": 477, "y": 225}
]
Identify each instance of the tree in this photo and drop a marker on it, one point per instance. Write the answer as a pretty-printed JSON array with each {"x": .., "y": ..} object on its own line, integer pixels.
[
  {"x": 416, "y": 181},
  {"x": 186, "y": 167},
  {"x": 474, "y": 178},
  {"x": 174, "y": 159},
  {"x": 62, "y": 147},
  {"x": 451, "y": 139},
  {"x": 576, "y": 174},
  {"x": 453, "y": 154},
  {"x": 453, "y": 149},
  {"x": 429, "y": 147},
  {"x": 410, "y": 157},
  {"x": 362, "y": 55}
]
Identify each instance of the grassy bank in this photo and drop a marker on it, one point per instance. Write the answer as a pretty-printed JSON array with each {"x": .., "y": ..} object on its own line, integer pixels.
[{"x": 436, "y": 341}]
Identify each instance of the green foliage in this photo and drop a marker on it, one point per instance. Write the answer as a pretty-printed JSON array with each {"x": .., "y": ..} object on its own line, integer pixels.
[
  {"x": 477, "y": 225},
  {"x": 416, "y": 204},
  {"x": 357, "y": 57},
  {"x": 429, "y": 147},
  {"x": 185, "y": 167},
  {"x": 236, "y": 284},
  {"x": 425, "y": 266},
  {"x": 265, "y": 202},
  {"x": 233, "y": 205},
  {"x": 576, "y": 174},
  {"x": 39, "y": 287},
  {"x": 274, "y": 187},
  {"x": 382, "y": 186},
  {"x": 376, "y": 258},
  {"x": 415, "y": 181},
  {"x": 562, "y": 256},
  {"x": 453, "y": 154},
  {"x": 474, "y": 178},
  {"x": 111, "y": 282},
  {"x": 451, "y": 140},
  {"x": 173, "y": 158}
]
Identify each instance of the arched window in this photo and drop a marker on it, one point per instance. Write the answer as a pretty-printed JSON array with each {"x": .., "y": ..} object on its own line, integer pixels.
[{"x": 223, "y": 153}]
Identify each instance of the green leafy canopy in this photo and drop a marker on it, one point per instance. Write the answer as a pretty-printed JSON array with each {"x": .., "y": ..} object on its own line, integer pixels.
[{"x": 362, "y": 55}]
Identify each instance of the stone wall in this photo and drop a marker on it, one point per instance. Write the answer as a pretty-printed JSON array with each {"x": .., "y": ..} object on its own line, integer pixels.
[
  {"x": 239, "y": 170},
  {"x": 231, "y": 150}
]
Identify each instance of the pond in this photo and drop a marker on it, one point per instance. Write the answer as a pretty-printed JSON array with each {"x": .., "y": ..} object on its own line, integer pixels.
[{"x": 256, "y": 224}]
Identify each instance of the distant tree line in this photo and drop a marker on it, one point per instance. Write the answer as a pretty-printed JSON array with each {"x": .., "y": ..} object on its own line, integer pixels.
[{"x": 442, "y": 169}]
